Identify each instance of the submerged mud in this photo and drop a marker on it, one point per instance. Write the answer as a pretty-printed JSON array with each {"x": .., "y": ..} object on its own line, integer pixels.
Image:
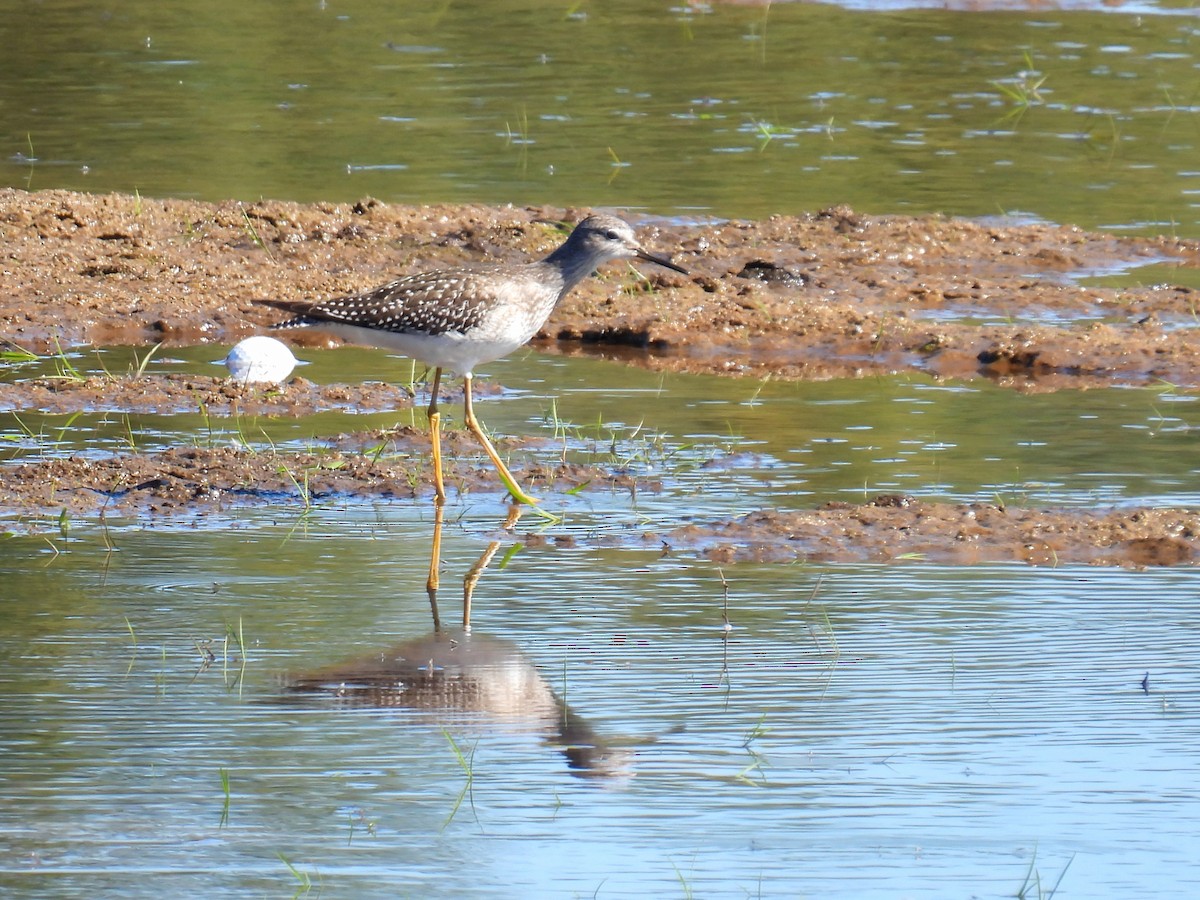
[
  {"x": 828, "y": 295},
  {"x": 897, "y": 528}
]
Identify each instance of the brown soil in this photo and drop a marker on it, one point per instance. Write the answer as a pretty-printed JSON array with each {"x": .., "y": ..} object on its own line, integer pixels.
[
  {"x": 833, "y": 294},
  {"x": 345, "y": 467},
  {"x": 895, "y": 528}
]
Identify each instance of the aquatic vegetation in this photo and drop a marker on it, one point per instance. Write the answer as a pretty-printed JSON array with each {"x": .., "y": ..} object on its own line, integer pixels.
[
  {"x": 303, "y": 879},
  {"x": 466, "y": 760},
  {"x": 1024, "y": 89},
  {"x": 1031, "y": 886}
]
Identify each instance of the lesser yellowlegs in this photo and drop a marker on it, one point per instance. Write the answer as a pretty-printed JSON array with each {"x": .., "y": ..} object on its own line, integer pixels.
[{"x": 459, "y": 318}]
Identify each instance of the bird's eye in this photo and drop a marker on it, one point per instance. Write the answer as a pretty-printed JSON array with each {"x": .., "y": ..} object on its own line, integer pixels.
[{"x": 612, "y": 235}]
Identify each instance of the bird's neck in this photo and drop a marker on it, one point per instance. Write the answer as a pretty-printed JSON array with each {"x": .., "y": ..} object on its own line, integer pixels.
[{"x": 571, "y": 266}]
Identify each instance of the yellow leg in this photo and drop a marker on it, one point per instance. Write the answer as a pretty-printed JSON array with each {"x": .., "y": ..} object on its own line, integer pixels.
[
  {"x": 435, "y": 436},
  {"x": 439, "y": 500},
  {"x": 506, "y": 477}
]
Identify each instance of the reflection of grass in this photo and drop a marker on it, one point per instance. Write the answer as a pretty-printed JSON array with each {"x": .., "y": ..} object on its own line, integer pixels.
[
  {"x": 618, "y": 446},
  {"x": 132, "y": 637},
  {"x": 1024, "y": 90},
  {"x": 519, "y": 135},
  {"x": 519, "y": 138},
  {"x": 726, "y": 625},
  {"x": 753, "y": 401},
  {"x": 753, "y": 773},
  {"x": 64, "y": 368},
  {"x": 687, "y": 888},
  {"x": 1032, "y": 885},
  {"x": 138, "y": 370},
  {"x": 616, "y": 165},
  {"x": 39, "y": 437},
  {"x": 204, "y": 648},
  {"x": 834, "y": 651},
  {"x": 466, "y": 761},
  {"x": 225, "y": 789},
  {"x": 130, "y": 438},
  {"x": 238, "y": 638},
  {"x": 160, "y": 677},
  {"x": 301, "y": 481},
  {"x": 303, "y": 880},
  {"x": 766, "y": 133},
  {"x": 17, "y": 354},
  {"x": 301, "y": 485},
  {"x": 359, "y": 818}
]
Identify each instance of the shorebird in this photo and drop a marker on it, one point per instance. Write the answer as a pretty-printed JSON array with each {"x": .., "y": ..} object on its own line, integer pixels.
[{"x": 462, "y": 317}]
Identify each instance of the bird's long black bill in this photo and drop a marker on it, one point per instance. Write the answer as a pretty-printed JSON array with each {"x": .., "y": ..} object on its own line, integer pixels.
[{"x": 662, "y": 261}]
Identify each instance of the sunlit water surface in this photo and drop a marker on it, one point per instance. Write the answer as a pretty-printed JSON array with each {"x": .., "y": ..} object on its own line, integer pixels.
[
  {"x": 718, "y": 445},
  {"x": 1083, "y": 113},
  {"x": 860, "y": 731},
  {"x": 863, "y": 731}
]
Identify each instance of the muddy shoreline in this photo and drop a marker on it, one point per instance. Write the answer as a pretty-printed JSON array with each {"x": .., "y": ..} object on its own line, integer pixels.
[{"x": 833, "y": 294}]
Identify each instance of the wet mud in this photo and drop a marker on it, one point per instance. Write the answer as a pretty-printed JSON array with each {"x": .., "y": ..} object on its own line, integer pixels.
[
  {"x": 898, "y": 528},
  {"x": 345, "y": 468},
  {"x": 832, "y": 294}
]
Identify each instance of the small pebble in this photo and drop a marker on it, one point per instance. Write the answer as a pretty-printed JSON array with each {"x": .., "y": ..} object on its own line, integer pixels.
[{"x": 260, "y": 360}]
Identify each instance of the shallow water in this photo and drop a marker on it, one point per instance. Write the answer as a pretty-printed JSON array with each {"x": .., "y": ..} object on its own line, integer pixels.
[
  {"x": 862, "y": 731},
  {"x": 723, "y": 445},
  {"x": 1085, "y": 115}
]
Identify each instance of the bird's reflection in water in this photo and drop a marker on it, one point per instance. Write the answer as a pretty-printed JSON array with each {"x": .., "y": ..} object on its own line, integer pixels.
[{"x": 449, "y": 673}]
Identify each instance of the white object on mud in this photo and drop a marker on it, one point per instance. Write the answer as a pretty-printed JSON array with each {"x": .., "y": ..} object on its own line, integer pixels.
[{"x": 260, "y": 360}]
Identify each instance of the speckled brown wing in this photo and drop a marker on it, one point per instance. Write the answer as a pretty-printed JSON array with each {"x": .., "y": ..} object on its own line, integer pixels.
[{"x": 429, "y": 303}]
